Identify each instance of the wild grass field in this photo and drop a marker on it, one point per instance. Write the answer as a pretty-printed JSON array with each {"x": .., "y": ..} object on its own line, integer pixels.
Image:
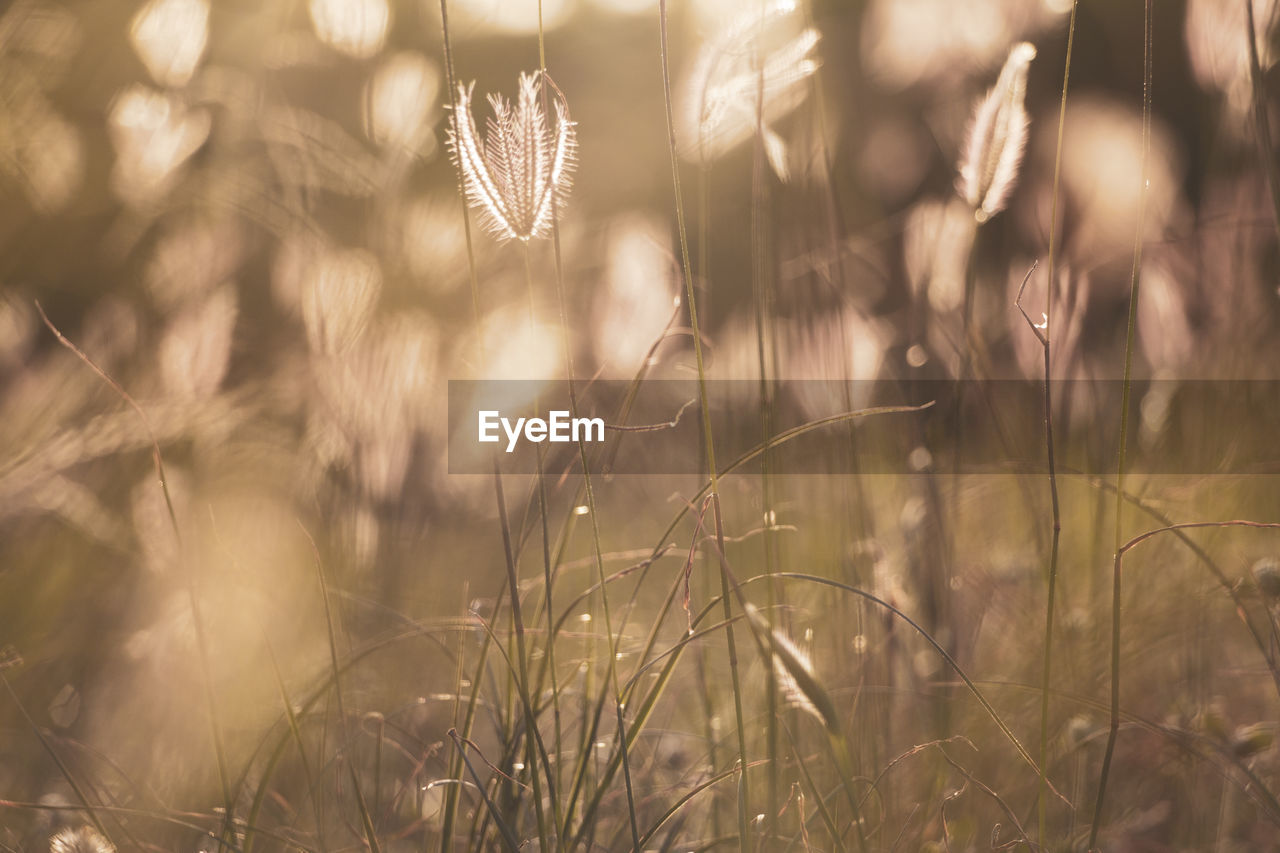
[{"x": 938, "y": 345}]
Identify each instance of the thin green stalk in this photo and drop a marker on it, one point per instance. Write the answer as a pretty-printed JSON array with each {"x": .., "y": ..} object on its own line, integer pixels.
[
  {"x": 821, "y": 804},
  {"x": 775, "y": 652},
  {"x": 455, "y": 767},
  {"x": 946, "y": 656},
  {"x": 1117, "y": 573},
  {"x": 535, "y": 750},
  {"x": 1134, "y": 282},
  {"x": 451, "y": 799},
  {"x": 1261, "y": 117},
  {"x": 57, "y": 759},
  {"x": 296, "y": 731},
  {"x": 684, "y": 800},
  {"x": 760, "y": 286},
  {"x": 522, "y": 668},
  {"x": 457, "y": 706},
  {"x": 598, "y": 555},
  {"x": 197, "y": 619},
  {"x": 549, "y": 646},
  {"x": 366, "y": 820},
  {"x": 853, "y": 493},
  {"x": 508, "y": 835},
  {"x": 691, "y": 295},
  {"x": 588, "y": 489},
  {"x": 646, "y": 706},
  {"x": 704, "y": 274},
  {"x": 1043, "y": 805},
  {"x": 641, "y": 716},
  {"x": 521, "y": 671}
]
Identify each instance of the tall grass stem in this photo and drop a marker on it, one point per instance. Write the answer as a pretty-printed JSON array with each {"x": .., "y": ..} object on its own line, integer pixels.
[
  {"x": 1135, "y": 278},
  {"x": 708, "y": 438},
  {"x": 1045, "y": 339}
]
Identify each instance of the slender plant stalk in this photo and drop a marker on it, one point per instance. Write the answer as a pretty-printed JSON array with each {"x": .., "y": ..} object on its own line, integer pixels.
[
  {"x": 589, "y": 491},
  {"x": 75, "y": 786},
  {"x": 197, "y": 619},
  {"x": 458, "y": 759},
  {"x": 760, "y": 278},
  {"x": 508, "y": 835},
  {"x": 1135, "y": 278},
  {"x": 522, "y": 652},
  {"x": 1210, "y": 565},
  {"x": 646, "y": 706},
  {"x": 856, "y": 504},
  {"x": 1043, "y": 805},
  {"x": 708, "y": 438},
  {"x": 701, "y": 662},
  {"x": 1261, "y": 117},
  {"x": 296, "y": 731},
  {"x": 520, "y": 671},
  {"x": 946, "y": 656},
  {"x": 366, "y": 820},
  {"x": 598, "y": 555},
  {"x": 780, "y": 653},
  {"x": 550, "y": 646},
  {"x": 1117, "y": 571}
]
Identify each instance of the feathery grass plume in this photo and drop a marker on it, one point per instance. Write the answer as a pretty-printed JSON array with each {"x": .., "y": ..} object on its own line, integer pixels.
[
  {"x": 519, "y": 175},
  {"x": 795, "y": 675},
  {"x": 997, "y": 138},
  {"x": 83, "y": 840},
  {"x": 754, "y": 57},
  {"x": 1248, "y": 741}
]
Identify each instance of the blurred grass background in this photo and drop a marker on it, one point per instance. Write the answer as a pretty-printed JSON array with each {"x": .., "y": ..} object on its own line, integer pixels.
[{"x": 246, "y": 214}]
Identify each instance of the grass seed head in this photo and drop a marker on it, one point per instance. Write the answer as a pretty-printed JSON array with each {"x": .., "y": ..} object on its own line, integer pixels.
[
  {"x": 519, "y": 175},
  {"x": 760, "y": 62},
  {"x": 794, "y": 670},
  {"x": 83, "y": 840},
  {"x": 1248, "y": 741},
  {"x": 997, "y": 138}
]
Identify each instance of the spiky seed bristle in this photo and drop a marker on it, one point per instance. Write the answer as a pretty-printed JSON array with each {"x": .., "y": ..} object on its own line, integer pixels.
[
  {"x": 997, "y": 138},
  {"x": 519, "y": 175},
  {"x": 86, "y": 839}
]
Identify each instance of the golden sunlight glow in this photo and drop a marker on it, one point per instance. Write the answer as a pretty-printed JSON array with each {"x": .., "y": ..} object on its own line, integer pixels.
[
  {"x": 1219, "y": 53},
  {"x": 519, "y": 349},
  {"x": 400, "y": 98},
  {"x": 339, "y": 292},
  {"x": 906, "y": 42},
  {"x": 506, "y": 16},
  {"x": 428, "y": 233},
  {"x": 725, "y": 87},
  {"x": 635, "y": 305},
  {"x": 357, "y": 28},
  {"x": 1101, "y": 174},
  {"x": 48, "y": 160},
  {"x": 154, "y": 134},
  {"x": 170, "y": 38},
  {"x": 196, "y": 347},
  {"x": 624, "y": 7}
]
